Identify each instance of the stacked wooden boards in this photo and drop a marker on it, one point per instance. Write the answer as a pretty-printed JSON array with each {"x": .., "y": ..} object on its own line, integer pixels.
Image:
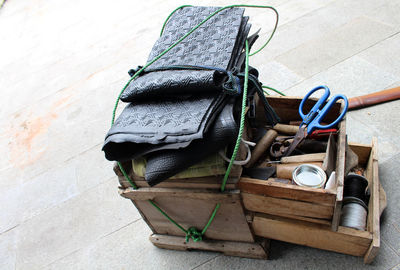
[{"x": 190, "y": 203}]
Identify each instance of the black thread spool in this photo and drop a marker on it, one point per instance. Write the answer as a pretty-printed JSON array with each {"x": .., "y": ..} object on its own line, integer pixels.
[
  {"x": 355, "y": 186},
  {"x": 355, "y": 201}
]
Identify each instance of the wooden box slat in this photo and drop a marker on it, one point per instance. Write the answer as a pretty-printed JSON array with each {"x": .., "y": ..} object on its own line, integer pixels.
[{"x": 345, "y": 240}]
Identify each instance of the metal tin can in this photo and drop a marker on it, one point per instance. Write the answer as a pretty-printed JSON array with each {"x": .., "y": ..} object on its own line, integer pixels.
[{"x": 309, "y": 175}]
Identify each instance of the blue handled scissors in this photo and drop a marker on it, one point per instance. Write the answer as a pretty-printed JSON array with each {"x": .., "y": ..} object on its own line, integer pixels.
[{"x": 312, "y": 120}]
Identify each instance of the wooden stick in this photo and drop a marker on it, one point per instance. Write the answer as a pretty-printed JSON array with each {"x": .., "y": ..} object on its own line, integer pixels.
[
  {"x": 374, "y": 98},
  {"x": 304, "y": 158},
  {"x": 262, "y": 146},
  {"x": 286, "y": 129}
]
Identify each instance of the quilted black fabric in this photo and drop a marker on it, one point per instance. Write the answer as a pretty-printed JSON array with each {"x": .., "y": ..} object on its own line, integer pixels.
[
  {"x": 217, "y": 44},
  {"x": 164, "y": 164},
  {"x": 145, "y": 127}
]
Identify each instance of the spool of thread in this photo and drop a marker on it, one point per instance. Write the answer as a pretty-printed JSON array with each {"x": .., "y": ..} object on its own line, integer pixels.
[
  {"x": 355, "y": 201},
  {"x": 354, "y": 213},
  {"x": 355, "y": 186}
]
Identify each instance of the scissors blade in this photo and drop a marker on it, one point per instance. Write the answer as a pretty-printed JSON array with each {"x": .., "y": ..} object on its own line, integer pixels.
[{"x": 298, "y": 138}]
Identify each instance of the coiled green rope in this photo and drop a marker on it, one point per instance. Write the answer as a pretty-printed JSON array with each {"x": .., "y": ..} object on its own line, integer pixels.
[{"x": 192, "y": 232}]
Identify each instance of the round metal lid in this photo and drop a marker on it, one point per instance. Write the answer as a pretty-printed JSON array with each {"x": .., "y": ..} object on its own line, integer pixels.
[{"x": 309, "y": 175}]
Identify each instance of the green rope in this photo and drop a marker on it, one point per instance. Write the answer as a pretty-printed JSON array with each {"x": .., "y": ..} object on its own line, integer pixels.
[
  {"x": 127, "y": 176},
  {"x": 165, "y": 215},
  {"x": 273, "y": 89},
  {"x": 242, "y": 117},
  {"x": 192, "y": 232}
]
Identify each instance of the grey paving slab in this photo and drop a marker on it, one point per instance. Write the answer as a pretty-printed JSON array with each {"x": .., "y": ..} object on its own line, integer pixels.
[
  {"x": 360, "y": 132},
  {"x": 9, "y": 206},
  {"x": 387, "y": 13},
  {"x": 353, "y": 77},
  {"x": 389, "y": 176},
  {"x": 313, "y": 25},
  {"x": 47, "y": 190},
  {"x": 289, "y": 256},
  {"x": 382, "y": 119},
  {"x": 8, "y": 250},
  {"x": 72, "y": 225},
  {"x": 384, "y": 54},
  {"x": 129, "y": 248},
  {"x": 278, "y": 76},
  {"x": 335, "y": 46}
]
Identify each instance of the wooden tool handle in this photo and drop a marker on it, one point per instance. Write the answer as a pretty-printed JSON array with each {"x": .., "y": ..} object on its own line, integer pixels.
[
  {"x": 285, "y": 170},
  {"x": 374, "y": 98},
  {"x": 262, "y": 146},
  {"x": 286, "y": 129},
  {"x": 304, "y": 158}
]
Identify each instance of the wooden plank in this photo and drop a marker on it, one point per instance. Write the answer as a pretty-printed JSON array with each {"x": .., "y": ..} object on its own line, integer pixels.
[
  {"x": 363, "y": 151},
  {"x": 287, "y": 108},
  {"x": 372, "y": 174},
  {"x": 276, "y": 206},
  {"x": 340, "y": 167},
  {"x": 229, "y": 224},
  {"x": 151, "y": 193},
  {"x": 230, "y": 248},
  {"x": 287, "y": 191},
  {"x": 182, "y": 184},
  {"x": 345, "y": 240}
]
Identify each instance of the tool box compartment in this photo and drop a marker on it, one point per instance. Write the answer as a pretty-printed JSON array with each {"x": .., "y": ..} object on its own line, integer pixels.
[
  {"x": 344, "y": 240},
  {"x": 319, "y": 206}
]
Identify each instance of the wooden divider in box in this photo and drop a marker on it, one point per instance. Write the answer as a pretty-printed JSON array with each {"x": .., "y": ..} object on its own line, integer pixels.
[
  {"x": 344, "y": 240},
  {"x": 291, "y": 201}
]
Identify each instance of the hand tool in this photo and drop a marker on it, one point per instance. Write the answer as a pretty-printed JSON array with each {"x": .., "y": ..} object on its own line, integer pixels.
[
  {"x": 286, "y": 170},
  {"x": 312, "y": 120},
  {"x": 262, "y": 146}
]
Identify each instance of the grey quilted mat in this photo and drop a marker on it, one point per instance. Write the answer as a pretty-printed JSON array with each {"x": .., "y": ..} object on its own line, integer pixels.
[
  {"x": 217, "y": 43},
  {"x": 146, "y": 127}
]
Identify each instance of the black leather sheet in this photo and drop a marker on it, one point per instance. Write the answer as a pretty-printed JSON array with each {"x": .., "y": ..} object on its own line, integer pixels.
[
  {"x": 145, "y": 127},
  {"x": 165, "y": 164},
  {"x": 217, "y": 44}
]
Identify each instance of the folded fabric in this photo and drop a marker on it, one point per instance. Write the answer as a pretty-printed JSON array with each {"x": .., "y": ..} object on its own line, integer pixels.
[
  {"x": 217, "y": 43},
  {"x": 211, "y": 166},
  {"x": 145, "y": 127},
  {"x": 162, "y": 165}
]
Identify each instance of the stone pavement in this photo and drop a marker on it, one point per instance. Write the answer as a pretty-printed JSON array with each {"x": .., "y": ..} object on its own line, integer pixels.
[{"x": 62, "y": 64}]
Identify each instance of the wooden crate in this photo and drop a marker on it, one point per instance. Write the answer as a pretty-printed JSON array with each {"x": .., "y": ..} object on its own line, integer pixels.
[
  {"x": 344, "y": 240},
  {"x": 295, "y": 202},
  {"x": 228, "y": 233}
]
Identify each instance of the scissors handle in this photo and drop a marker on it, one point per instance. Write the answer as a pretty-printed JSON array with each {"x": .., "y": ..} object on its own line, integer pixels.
[
  {"x": 307, "y": 118},
  {"x": 316, "y": 115},
  {"x": 316, "y": 123}
]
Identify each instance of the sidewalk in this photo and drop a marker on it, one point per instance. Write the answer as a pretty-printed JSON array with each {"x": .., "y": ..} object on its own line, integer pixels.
[{"x": 62, "y": 65}]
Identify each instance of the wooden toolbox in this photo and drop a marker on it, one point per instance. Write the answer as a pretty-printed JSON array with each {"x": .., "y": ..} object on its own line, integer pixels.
[
  {"x": 344, "y": 240},
  {"x": 302, "y": 203},
  {"x": 310, "y": 216},
  {"x": 253, "y": 211}
]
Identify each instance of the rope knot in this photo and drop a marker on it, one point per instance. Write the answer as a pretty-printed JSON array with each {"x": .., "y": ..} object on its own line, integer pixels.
[{"x": 193, "y": 233}]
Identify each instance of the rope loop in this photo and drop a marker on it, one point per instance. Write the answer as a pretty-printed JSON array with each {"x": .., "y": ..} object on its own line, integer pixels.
[{"x": 193, "y": 233}]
